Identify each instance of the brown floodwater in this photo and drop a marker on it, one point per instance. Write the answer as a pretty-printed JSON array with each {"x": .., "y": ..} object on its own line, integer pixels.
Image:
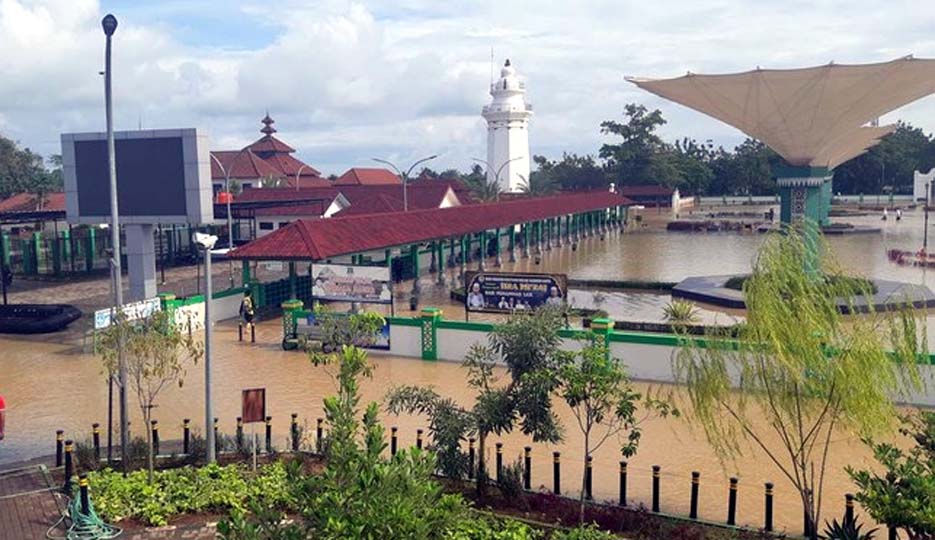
[{"x": 51, "y": 386}]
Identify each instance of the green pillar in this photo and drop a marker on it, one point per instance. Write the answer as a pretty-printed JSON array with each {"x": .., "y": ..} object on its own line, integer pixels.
[
  {"x": 433, "y": 251},
  {"x": 414, "y": 257},
  {"x": 5, "y": 249},
  {"x": 35, "y": 247},
  {"x": 440, "y": 279},
  {"x": 602, "y": 328},
  {"x": 537, "y": 229},
  {"x": 430, "y": 318},
  {"x": 292, "y": 281},
  {"x": 290, "y": 309},
  {"x": 512, "y": 240},
  {"x": 57, "y": 255},
  {"x": 482, "y": 264},
  {"x": 245, "y": 272},
  {"x": 66, "y": 246},
  {"x": 463, "y": 254},
  {"x": 388, "y": 261},
  {"x": 451, "y": 252},
  {"x": 526, "y": 235},
  {"x": 89, "y": 249},
  {"x": 498, "y": 262}
]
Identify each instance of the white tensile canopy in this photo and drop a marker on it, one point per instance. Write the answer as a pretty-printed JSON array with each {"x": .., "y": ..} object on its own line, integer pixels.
[{"x": 814, "y": 116}]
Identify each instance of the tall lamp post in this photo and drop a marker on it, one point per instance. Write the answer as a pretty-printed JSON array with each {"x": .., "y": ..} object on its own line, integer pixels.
[
  {"x": 404, "y": 178},
  {"x": 206, "y": 243},
  {"x": 297, "y": 173},
  {"x": 496, "y": 176},
  {"x": 109, "y": 25},
  {"x": 230, "y": 219}
]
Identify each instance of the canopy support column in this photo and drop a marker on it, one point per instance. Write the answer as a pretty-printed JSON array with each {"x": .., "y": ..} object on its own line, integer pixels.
[
  {"x": 440, "y": 278},
  {"x": 414, "y": 255},
  {"x": 512, "y": 241},
  {"x": 482, "y": 263},
  {"x": 498, "y": 262}
]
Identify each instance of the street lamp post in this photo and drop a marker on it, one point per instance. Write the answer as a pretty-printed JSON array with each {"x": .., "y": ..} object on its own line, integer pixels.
[
  {"x": 404, "y": 178},
  {"x": 496, "y": 176},
  {"x": 206, "y": 243},
  {"x": 230, "y": 219},
  {"x": 109, "y": 25},
  {"x": 297, "y": 173}
]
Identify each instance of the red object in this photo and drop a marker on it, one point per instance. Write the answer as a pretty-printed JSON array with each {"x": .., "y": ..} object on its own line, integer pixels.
[
  {"x": 318, "y": 239},
  {"x": 253, "y": 405},
  {"x": 225, "y": 197},
  {"x": 2, "y": 416}
]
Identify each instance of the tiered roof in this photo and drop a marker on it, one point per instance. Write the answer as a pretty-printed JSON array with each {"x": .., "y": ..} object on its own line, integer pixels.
[
  {"x": 267, "y": 156},
  {"x": 368, "y": 176}
]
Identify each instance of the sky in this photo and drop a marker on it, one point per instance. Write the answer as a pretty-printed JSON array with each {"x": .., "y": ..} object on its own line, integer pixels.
[{"x": 348, "y": 81}]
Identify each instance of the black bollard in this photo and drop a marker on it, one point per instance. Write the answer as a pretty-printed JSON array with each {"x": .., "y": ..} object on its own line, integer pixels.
[
  {"x": 238, "y": 434},
  {"x": 155, "y": 432},
  {"x": 96, "y": 440},
  {"x": 393, "y": 440},
  {"x": 217, "y": 435},
  {"x": 499, "y": 446},
  {"x": 623, "y": 483},
  {"x": 848, "y": 507},
  {"x": 588, "y": 478},
  {"x": 295, "y": 432},
  {"x": 656, "y": 469},
  {"x": 83, "y": 487},
  {"x": 69, "y": 468},
  {"x": 527, "y": 468},
  {"x": 419, "y": 439},
  {"x": 892, "y": 533},
  {"x": 252, "y": 333},
  {"x": 318, "y": 435},
  {"x": 186, "y": 436},
  {"x": 557, "y": 473},
  {"x": 471, "y": 457},
  {"x": 693, "y": 509},
  {"x": 59, "y": 447},
  {"x": 732, "y": 503},
  {"x": 768, "y": 512},
  {"x": 240, "y": 331},
  {"x": 269, "y": 434}
]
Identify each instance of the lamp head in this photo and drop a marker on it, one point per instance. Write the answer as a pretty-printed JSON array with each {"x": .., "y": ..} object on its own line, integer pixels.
[
  {"x": 109, "y": 24},
  {"x": 204, "y": 241}
]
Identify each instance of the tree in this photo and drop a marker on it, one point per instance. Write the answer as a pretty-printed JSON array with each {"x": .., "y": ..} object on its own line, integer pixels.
[
  {"x": 903, "y": 497},
  {"x": 803, "y": 372},
  {"x": 538, "y": 185},
  {"x": 571, "y": 173},
  {"x": 596, "y": 388},
  {"x": 529, "y": 346},
  {"x": 156, "y": 354},
  {"x": 19, "y": 169},
  {"x": 630, "y": 161}
]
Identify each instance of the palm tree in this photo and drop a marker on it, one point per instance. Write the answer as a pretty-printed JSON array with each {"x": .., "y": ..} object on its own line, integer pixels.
[
  {"x": 538, "y": 185},
  {"x": 484, "y": 191}
]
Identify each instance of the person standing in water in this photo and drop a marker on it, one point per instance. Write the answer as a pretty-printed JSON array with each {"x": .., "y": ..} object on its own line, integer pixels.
[{"x": 899, "y": 214}]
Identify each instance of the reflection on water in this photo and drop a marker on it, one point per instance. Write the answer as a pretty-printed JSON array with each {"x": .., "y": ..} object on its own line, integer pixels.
[{"x": 51, "y": 386}]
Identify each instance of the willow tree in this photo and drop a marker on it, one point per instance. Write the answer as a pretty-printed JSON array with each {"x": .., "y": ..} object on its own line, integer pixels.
[{"x": 799, "y": 371}]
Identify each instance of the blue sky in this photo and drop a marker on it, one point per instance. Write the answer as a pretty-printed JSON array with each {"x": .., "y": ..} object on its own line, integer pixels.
[{"x": 350, "y": 80}]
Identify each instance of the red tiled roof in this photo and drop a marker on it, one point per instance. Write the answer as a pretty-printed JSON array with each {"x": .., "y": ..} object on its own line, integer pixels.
[
  {"x": 367, "y": 176},
  {"x": 26, "y": 202},
  {"x": 286, "y": 194},
  {"x": 269, "y": 143},
  {"x": 315, "y": 208},
  {"x": 645, "y": 190},
  {"x": 241, "y": 165},
  {"x": 313, "y": 240},
  {"x": 307, "y": 182},
  {"x": 290, "y": 166},
  {"x": 377, "y": 199}
]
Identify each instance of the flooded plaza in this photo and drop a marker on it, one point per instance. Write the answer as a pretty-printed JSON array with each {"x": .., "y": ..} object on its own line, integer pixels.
[{"x": 53, "y": 383}]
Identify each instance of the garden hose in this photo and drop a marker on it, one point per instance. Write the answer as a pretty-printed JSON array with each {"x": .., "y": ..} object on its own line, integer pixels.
[{"x": 83, "y": 526}]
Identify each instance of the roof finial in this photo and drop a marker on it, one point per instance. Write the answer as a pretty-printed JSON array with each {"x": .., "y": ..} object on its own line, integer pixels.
[{"x": 268, "y": 122}]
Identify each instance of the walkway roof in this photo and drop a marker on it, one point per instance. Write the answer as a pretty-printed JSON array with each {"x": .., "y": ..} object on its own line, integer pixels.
[
  {"x": 813, "y": 116},
  {"x": 315, "y": 240}
]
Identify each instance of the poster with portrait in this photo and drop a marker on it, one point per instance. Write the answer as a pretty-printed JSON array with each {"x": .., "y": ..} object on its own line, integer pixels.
[
  {"x": 347, "y": 283},
  {"x": 498, "y": 292}
]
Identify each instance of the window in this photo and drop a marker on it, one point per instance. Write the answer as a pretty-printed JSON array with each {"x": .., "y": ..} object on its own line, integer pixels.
[
  {"x": 245, "y": 185},
  {"x": 266, "y": 226},
  {"x": 283, "y": 224}
]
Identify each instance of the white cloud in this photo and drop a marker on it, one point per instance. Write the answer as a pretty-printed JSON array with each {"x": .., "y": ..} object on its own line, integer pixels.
[{"x": 349, "y": 80}]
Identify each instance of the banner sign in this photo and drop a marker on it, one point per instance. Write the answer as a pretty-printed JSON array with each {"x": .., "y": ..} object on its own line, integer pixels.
[
  {"x": 310, "y": 327},
  {"x": 253, "y": 405},
  {"x": 345, "y": 283},
  {"x": 505, "y": 293},
  {"x": 132, "y": 311}
]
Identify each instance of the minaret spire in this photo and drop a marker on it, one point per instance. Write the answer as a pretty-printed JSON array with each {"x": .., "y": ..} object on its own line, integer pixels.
[{"x": 267, "y": 122}]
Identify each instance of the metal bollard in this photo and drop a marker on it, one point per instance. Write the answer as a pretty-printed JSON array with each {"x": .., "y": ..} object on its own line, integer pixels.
[
  {"x": 240, "y": 331},
  {"x": 155, "y": 432},
  {"x": 527, "y": 468},
  {"x": 217, "y": 437},
  {"x": 693, "y": 510},
  {"x": 96, "y": 440},
  {"x": 732, "y": 503},
  {"x": 557, "y": 473},
  {"x": 269, "y": 434},
  {"x": 318, "y": 435},
  {"x": 471, "y": 457},
  {"x": 252, "y": 333},
  {"x": 848, "y": 507},
  {"x": 394, "y": 440},
  {"x": 186, "y": 436},
  {"x": 83, "y": 487},
  {"x": 656, "y": 470},
  {"x": 892, "y": 533},
  {"x": 238, "y": 434},
  {"x": 588, "y": 477},
  {"x": 623, "y": 483},
  {"x": 499, "y": 446},
  {"x": 295, "y": 432},
  {"x": 59, "y": 447},
  {"x": 419, "y": 439},
  {"x": 69, "y": 468},
  {"x": 768, "y": 512}
]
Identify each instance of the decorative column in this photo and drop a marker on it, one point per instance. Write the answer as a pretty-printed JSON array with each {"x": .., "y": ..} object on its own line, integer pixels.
[
  {"x": 451, "y": 253},
  {"x": 602, "y": 328},
  {"x": 432, "y": 267},
  {"x": 537, "y": 229},
  {"x": 290, "y": 309},
  {"x": 558, "y": 231},
  {"x": 430, "y": 318},
  {"x": 292, "y": 281},
  {"x": 805, "y": 194},
  {"x": 440, "y": 279},
  {"x": 548, "y": 234},
  {"x": 526, "y": 234},
  {"x": 414, "y": 257},
  {"x": 498, "y": 262},
  {"x": 482, "y": 263},
  {"x": 463, "y": 257}
]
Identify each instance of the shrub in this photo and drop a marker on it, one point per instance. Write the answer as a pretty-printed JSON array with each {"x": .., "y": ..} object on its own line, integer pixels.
[
  {"x": 587, "y": 532},
  {"x": 491, "y": 529}
]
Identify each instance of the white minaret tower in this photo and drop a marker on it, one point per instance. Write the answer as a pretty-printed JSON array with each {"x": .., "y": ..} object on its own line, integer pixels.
[{"x": 508, "y": 131}]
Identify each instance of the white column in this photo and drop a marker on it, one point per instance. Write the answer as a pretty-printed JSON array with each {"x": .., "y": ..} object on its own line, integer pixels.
[{"x": 141, "y": 261}]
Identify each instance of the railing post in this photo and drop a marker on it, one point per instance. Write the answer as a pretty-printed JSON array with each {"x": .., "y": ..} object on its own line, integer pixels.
[
  {"x": 557, "y": 473},
  {"x": 527, "y": 468},
  {"x": 318, "y": 435},
  {"x": 499, "y": 446},
  {"x": 623, "y": 483},
  {"x": 471, "y": 457},
  {"x": 269, "y": 434},
  {"x": 393, "y": 440},
  {"x": 588, "y": 467},
  {"x": 69, "y": 468},
  {"x": 238, "y": 434},
  {"x": 732, "y": 503},
  {"x": 96, "y": 440},
  {"x": 768, "y": 512},
  {"x": 848, "y": 507},
  {"x": 186, "y": 436},
  {"x": 83, "y": 487},
  {"x": 656, "y": 470},
  {"x": 419, "y": 439},
  {"x": 59, "y": 446},
  {"x": 693, "y": 510},
  {"x": 217, "y": 439},
  {"x": 295, "y": 432}
]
